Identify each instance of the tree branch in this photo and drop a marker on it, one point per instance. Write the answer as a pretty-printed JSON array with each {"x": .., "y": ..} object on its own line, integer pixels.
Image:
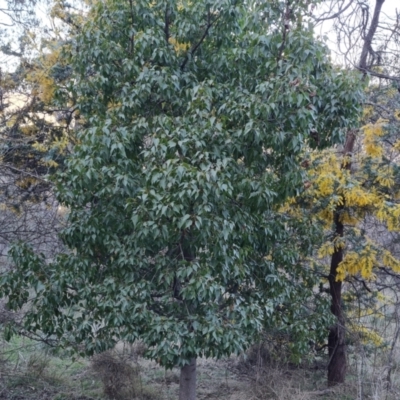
[
  {"x": 198, "y": 44},
  {"x": 367, "y": 46}
]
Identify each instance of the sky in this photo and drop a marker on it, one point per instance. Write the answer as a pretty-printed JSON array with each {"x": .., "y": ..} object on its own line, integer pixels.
[
  {"x": 389, "y": 7},
  {"x": 326, "y": 31}
]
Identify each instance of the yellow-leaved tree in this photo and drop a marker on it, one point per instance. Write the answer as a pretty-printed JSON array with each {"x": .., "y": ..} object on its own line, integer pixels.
[
  {"x": 353, "y": 191},
  {"x": 352, "y": 188}
]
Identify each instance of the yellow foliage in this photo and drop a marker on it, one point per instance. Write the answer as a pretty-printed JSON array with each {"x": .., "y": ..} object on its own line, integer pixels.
[
  {"x": 390, "y": 261},
  {"x": 325, "y": 184},
  {"x": 371, "y": 130},
  {"x": 372, "y": 148},
  {"x": 11, "y": 121},
  {"x": 346, "y": 218},
  {"x": 339, "y": 243},
  {"x": 397, "y": 115},
  {"x": 371, "y": 133},
  {"x": 358, "y": 197},
  {"x": 391, "y": 92},
  {"x": 390, "y": 215},
  {"x": 39, "y": 147},
  {"x": 47, "y": 89},
  {"x": 50, "y": 163},
  {"x": 367, "y": 112},
  {"x": 29, "y": 130},
  {"x": 334, "y": 186},
  {"x": 43, "y": 84},
  {"x": 327, "y": 249},
  {"x": 179, "y": 47},
  {"x": 327, "y": 216},
  {"x": 25, "y": 183},
  {"x": 61, "y": 144},
  {"x": 368, "y": 335},
  {"x": 385, "y": 181},
  {"x": 382, "y": 214},
  {"x": 290, "y": 207},
  {"x": 358, "y": 263},
  {"x": 392, "y": 218},
  {"x": 385, "y": 177},
  {"x": 327, "y": 176}
]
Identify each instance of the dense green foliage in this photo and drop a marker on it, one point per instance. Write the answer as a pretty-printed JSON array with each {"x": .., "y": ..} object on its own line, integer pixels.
[{"x": 198, "y": 116}]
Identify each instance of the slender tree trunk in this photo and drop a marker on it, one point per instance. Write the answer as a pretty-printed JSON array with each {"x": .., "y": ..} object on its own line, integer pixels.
[
  {"x": 336, "y": 340},
  {"x": 367, "y": 48},
  {"x": 187, "y": 381}
]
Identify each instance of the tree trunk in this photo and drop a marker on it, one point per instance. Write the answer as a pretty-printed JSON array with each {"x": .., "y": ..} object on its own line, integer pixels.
[
  {"x": 367, "y": 48},
  {"x": 336, "y": 340},
  {"x": 187, "y": 381}
]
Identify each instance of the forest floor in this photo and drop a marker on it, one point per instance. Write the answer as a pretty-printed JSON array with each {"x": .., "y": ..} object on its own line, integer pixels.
[{"x": 31, "y": 371}]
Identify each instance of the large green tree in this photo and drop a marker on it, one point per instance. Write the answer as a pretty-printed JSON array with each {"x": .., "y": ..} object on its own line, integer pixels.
[{"x": 198, "y": 115}]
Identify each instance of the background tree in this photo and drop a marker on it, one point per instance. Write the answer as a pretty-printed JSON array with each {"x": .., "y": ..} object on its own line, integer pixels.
[
  {"x": 36, "y": 127},
  {"x": 344, "y": 187}
]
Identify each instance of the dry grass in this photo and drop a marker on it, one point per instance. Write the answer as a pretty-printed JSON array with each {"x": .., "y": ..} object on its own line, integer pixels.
[
  {"x": 123, "y": 374},
  {"x": 120, "y": 376}
]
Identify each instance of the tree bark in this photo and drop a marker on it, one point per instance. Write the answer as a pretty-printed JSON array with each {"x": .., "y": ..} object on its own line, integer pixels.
[
  {"x": 367, "y": 45},
  {"x": 336, "y": 340},
  {"x": 337, "y": 365},
  {"x": 187, "y": 381}
]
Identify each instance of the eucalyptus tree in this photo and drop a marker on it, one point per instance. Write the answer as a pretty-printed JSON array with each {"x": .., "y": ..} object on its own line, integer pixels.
[
  {"x": 367, "y": 40},
  {"x": 197, "y": 118}
]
